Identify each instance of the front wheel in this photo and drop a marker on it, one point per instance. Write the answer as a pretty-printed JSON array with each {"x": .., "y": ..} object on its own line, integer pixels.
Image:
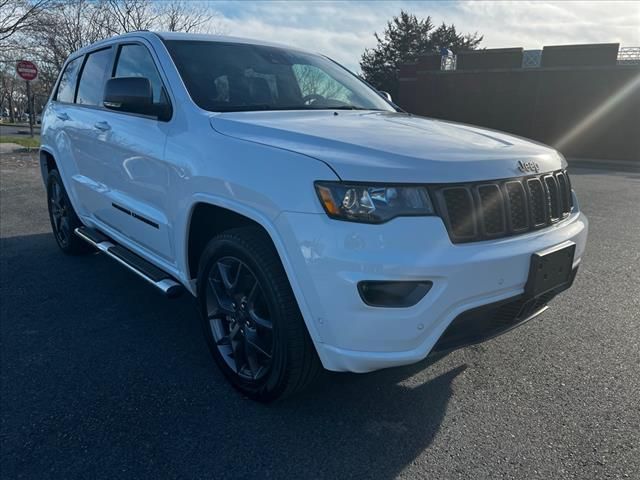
[{"x": 250, "y": 317}]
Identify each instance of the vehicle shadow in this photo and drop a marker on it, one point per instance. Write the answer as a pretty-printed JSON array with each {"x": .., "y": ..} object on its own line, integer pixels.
[{"x": 101, "y": 375}]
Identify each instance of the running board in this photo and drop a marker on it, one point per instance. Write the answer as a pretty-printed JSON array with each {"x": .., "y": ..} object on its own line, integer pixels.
[{"x": 138, "y": 265}]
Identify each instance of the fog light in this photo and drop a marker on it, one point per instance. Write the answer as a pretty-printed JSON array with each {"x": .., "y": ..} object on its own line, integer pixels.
[{"x": 393, "y": 294}]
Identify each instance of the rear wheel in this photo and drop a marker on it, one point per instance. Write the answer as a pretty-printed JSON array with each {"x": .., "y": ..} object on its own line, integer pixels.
[
  {"x": 63, "y": 218},
  {"x": 250, "y": 317}
]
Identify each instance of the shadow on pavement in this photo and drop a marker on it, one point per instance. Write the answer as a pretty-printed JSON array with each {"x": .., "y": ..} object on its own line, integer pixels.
[{"x": 104, "y": 378}]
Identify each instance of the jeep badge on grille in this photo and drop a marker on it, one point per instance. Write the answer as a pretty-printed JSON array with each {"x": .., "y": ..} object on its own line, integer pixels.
[{"x": 525, "y": 167}]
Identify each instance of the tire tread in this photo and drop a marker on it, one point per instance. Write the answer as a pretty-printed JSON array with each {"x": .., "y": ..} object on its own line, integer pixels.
[
  {"x": 302, "y": 363},
  {"x": 76, "y": 245}
]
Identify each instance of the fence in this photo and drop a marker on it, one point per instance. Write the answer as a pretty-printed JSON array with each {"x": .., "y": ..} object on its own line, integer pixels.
[
  {"x": 629, "y": 56},
  {"x": 533, "y": 58},
  {"x": 584, "y": 100}
]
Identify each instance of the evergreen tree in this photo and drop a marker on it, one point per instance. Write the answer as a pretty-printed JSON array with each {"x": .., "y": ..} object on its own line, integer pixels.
[{"x": 404, "y": 40}]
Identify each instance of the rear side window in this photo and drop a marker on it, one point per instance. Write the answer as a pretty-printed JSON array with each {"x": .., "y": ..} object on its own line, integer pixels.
[
  {"x": 136, "y": 61},
  {"x": 92, "y": 78},
  {"x": 67, "y": 85}
]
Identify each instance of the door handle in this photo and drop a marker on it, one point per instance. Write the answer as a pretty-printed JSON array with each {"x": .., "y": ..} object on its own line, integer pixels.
[
  {"x": 103, "y": 126},
  {"x": 62, "y": 116}
]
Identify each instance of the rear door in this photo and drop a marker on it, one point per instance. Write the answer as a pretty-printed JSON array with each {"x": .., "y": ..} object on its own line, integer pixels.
[
  {"x": 87, "y": 135},
  {"x": 58, "y": 123},
  {"x": 130, "y": 153}
]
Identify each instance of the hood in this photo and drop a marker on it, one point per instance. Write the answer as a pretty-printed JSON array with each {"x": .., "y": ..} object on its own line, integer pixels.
[{"x": 390, "y": 147}]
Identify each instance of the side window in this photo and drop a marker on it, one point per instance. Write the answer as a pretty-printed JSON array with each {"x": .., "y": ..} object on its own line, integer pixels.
[
  {"x": 136, "y": 61},
  {"x": 91, "y": 88},
  {"x": 67, "y": 85}
]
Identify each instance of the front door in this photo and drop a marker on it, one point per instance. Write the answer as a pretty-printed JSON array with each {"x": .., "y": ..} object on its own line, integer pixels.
[{"x": 131, "y": 154}]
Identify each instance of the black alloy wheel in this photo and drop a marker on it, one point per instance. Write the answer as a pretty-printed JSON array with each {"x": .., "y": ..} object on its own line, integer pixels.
[
  {"x": 59, "y": 215},
  {"x": 250, "y": 317},
  {"x": 63, "y": 217},
  {"x": 239, "y": 318}
]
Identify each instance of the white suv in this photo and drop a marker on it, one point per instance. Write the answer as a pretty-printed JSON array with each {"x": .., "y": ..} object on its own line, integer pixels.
[{"x": 315, "y": 222}]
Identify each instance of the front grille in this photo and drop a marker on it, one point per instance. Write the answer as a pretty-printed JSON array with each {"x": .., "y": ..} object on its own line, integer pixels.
[
  {"x": 553, "y": 197},
  {"x": 502, "y": 208},
  {"x": 460, "y": 211},
  {"x": 538, "y": 202},
  {"x": 517, "y": 206},
  {"x": 565, "y": 192},
  {"x": 492, "y": 209}
]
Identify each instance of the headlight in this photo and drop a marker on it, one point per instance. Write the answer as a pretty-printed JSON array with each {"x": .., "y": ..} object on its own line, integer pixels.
[{"x": 373, "y": 203}]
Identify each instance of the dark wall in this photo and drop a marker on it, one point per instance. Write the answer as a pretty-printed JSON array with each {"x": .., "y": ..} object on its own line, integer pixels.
[
  {"x": 599, "y": 54},
  {"x": 491, "y": 58},
  {"x": 600, "y": 105}
]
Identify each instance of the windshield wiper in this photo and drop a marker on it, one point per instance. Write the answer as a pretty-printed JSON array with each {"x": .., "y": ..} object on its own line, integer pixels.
[
  {"x": 267, "y": 107},
  {"x": 262, "y": 107},
  {"x": 347, "y": 107}
]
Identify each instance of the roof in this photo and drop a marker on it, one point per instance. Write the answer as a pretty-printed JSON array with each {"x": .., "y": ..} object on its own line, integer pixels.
[
  {"x": 184, "y": 36},
  {"x": 203, "y": 37}
]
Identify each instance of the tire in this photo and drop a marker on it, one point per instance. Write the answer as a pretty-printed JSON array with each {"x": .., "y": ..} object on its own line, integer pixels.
[
  {"x": 242, "y": 286},
  {"x": 63, "y": 217}
]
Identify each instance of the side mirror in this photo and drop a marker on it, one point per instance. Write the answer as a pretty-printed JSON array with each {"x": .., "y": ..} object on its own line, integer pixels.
[
  {"x": 131, "y": 94},
  {"x": 386, "y": 95}
]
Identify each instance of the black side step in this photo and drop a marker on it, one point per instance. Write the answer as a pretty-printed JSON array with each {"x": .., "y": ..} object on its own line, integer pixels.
[{"x": 138, "y": 265}]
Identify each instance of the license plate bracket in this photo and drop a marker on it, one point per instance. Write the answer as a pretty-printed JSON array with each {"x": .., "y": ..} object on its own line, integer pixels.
[{"x": 550, "y": 269}]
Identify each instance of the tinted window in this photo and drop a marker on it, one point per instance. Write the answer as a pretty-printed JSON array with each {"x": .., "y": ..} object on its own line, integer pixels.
[
  {"x": 239, "y": 77},
  {"x": 91, "y": 89},
  {"x": 136, "y": 61},
  {"x": 67, "y": 85}
]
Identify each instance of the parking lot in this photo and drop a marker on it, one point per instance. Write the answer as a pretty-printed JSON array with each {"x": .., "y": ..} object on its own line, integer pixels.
[{"x": 103, "y": 378}]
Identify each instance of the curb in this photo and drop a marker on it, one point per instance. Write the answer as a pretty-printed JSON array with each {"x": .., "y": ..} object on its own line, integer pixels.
[{"x": 21, "y": 150}]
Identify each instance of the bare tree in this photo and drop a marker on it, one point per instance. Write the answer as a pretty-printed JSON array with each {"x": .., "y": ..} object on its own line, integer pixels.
[
  {"x": 19, "y": 15},
  {"x": 8, "y": 91},
  {"x": 183, "y": 16},
  {"x": 48, "y": 31},
  {"x": 67, "y": 28},
  {"x": 123, "y": 16}
]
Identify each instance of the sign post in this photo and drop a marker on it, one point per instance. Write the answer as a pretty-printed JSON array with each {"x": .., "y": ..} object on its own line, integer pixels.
[{"x": 28, "y": 71}]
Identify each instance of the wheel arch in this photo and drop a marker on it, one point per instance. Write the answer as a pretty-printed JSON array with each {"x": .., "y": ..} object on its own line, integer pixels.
[
  {"x": 205, "y": 221},
  {"x": 47, "y": 163},
  {"x": 234, "y": 215}
]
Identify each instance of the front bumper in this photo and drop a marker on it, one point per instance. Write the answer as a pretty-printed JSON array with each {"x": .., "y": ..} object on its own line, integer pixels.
[
  {"x": 329, "y": 258},
  {"x": 488, "y": 321}
]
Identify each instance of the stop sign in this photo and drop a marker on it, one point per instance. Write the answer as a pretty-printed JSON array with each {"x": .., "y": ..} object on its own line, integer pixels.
[{"x": 27, "y": 70}]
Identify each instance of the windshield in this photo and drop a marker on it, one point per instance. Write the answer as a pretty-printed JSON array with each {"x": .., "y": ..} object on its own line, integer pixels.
[{"x": 233, "y": 77}]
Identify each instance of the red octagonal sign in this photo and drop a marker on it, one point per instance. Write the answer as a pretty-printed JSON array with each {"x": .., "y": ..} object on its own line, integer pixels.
[{"x": 27, "y": 70}]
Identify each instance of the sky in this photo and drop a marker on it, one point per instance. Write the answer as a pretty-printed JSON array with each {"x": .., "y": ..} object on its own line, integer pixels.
[{"x": 343, "y": 29}]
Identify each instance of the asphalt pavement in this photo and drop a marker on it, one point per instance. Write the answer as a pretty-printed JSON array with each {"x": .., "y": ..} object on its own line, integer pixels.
[
  {"x": 13, "y": 130},
  {"x": 103, "y": 378}
]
